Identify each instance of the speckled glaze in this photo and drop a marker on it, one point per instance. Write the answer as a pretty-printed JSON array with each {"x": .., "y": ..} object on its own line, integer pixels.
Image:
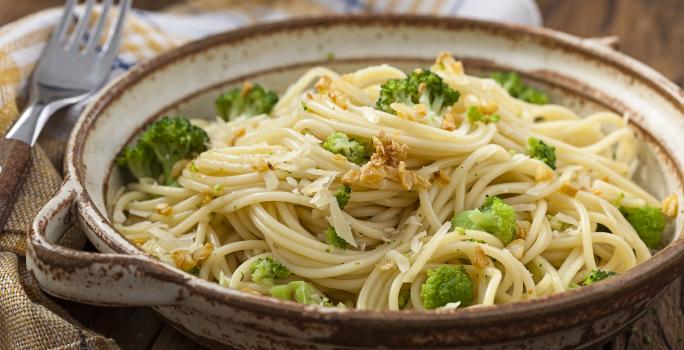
[{"x": 186, "y": 80}]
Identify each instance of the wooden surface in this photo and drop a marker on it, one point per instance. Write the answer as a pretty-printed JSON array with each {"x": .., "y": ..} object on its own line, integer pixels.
[{"x": 652, "y": 31}]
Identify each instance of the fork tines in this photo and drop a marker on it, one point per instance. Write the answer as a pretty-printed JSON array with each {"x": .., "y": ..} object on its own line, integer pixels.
[{"x": 84, "y": 33}]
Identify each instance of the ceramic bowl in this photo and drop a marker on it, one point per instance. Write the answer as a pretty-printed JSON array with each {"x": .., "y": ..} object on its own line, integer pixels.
[{"x": 582, "y": 74}]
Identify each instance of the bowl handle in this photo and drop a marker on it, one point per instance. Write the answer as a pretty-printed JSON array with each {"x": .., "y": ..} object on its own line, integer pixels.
[{"x": 94, "y": 278}]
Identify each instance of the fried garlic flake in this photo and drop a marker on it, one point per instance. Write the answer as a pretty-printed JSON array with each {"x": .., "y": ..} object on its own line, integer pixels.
[
  {"x": 480, "y": 259},
  {"x": 163, "y": 209},
  {"x": 670, "y": 205}
]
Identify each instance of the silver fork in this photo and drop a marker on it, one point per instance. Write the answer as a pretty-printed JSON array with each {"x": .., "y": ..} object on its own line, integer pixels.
[{"x": 69, "y": 70}]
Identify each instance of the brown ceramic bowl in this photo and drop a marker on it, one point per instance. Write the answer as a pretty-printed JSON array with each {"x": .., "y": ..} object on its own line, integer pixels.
[{"x": 579, "y": 73}]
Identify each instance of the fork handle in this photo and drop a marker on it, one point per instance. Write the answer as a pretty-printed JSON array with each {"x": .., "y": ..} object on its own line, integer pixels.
[{"x": 14, "y": 161}]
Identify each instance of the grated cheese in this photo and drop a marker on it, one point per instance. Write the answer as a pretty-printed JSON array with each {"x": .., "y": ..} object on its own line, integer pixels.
[
  {"x": 287, "y": 167},
  {"x": 338, "y": 221},
  {"x": 321, "y": 199},
  {"x": 369, "y": 114},
  {"x": 449, "y": 306},
  {"x": 291, "y": 181},
  {"x": 271, "y": 180},
  {"x": 416, "y": 242},
  {"x": 402, "y": 262},
  {"x": 320, "y": 184}
]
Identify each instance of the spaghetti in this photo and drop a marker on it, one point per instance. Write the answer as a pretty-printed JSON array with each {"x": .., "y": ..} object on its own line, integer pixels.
[{"x": 265, "y": 192}]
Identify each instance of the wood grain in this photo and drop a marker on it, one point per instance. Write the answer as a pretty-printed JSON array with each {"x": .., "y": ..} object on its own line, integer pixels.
[
  {"x": 14, "y": 160},
  {"x": 651, "y": 31}
]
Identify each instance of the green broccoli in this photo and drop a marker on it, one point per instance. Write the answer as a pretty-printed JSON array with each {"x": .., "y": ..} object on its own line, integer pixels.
[
  {"x": 648, "y": 222},
  {"x": 494, "y": 216},
  {"x": 301, "y": 292},
  {"x": 265, "y": 270},
  {"x": 247, "y": 101},
  {"x": 512, "y": 83},
  {"x": 536, "y": 148},
  {"x": 596, "y": 275},
  {"x": 422, "y": 87},
  {"x": 342, "y": 195},
  {"x": 164, "y": 143},
  {"x": 355, "y": 150},
  {"x": 333, "y": 239},
  {"x": 474, "y": 115},
  {"x": 140, "y": 160},
  {"x": 446, "y": 284},
  {"x": 172, "y": 140}
]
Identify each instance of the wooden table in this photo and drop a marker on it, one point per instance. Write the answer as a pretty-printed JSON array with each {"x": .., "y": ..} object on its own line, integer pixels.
[{"x": 651, "y": 31}]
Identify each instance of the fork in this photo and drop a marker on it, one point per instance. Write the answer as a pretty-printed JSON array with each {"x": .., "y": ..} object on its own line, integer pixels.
[{"x": 72, "y": 67}]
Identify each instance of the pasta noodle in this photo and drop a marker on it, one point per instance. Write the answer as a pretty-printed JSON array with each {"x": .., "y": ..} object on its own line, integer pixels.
[{"x": 266, "y": 186}]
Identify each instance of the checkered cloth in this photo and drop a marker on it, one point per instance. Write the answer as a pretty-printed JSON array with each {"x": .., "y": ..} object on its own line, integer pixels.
[{"x": 29, "y": 319}]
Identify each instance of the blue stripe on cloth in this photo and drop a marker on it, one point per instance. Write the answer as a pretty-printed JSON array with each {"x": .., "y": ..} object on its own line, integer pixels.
[
  {"x": 354, "y": 5},
  {"x": 453, "y": 10},
  {"x": 120, "y": 64}
]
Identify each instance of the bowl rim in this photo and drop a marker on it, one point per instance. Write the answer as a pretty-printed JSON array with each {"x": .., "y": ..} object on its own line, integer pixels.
[{"x": 665, "y": 260}]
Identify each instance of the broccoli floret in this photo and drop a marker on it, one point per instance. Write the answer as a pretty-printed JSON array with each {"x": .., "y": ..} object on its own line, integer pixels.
[
  {"x": 140, "y": 160},
  {"x": 343, "y": 195},
  {"x": 355, "y": 150},
  {"x": 512, "y": 83},
  {"x": 422, "y": 87},
  {"x": 301, "y": 292},
  {"x": 474, "y": 115},
  {"x": 172, "y": 140},
  {"x": 265, "y": 270},
  {"x": 648, "y": 222},
  {"x": 396, "y": 90},
  {"x": 333, "y": 239},
  {"x": 247, "y": 101},
  {"x": 446, "y": 284},
  {"x": 536, "y": 148},
  {"x": 494, "y": 216},
  {"x": 596, "y": 275},
  {"x": 164, "y": 143}
]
